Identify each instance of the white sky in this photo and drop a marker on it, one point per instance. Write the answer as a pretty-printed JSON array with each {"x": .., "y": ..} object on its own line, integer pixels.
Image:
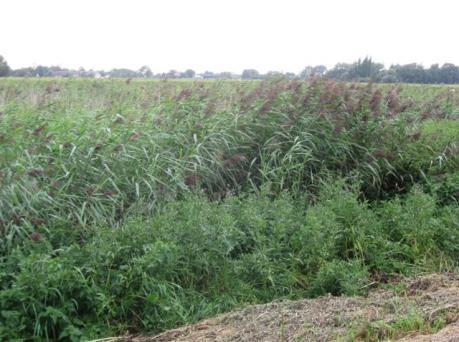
[{"x": 226, "y": 35}]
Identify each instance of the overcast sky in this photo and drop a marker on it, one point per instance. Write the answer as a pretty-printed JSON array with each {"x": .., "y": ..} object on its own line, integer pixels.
[{"x": 226, "y": 35}]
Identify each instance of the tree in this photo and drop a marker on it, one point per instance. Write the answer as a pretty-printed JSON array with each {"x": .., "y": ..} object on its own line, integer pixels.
[
  {"x": 319, "y": 70},
  {"x": 449, "y": 73},
  {"x": 208, "y": 75},
  {"x": 309, "y": 71},
  {"x": 4, "y": 67},
  {"x": 225, "y": 75},
  {"x": 23, "y": 72},
  {"x": 188, "y": 73},
  {"x": 387, "y": 76},
  {"x": 173, "y": 74},
  {"x": 123, "y": 73},
  {"x": 43, "y": 71},
  {"x": 340, "y": 71},
  {"x": 434, "y": 74},
  {"x": 361, "y": 70},
  {"x": 145, "y": 71},
  {"x": 250, "y": 74},
  {"x": 410, "y": 73},
  {"x": 365, "y": 69}
]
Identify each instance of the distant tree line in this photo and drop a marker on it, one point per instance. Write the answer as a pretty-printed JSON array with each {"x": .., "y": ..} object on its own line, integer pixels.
[
  {"x": 363, "y": 70},
  {"x": 367, "y": 70}
]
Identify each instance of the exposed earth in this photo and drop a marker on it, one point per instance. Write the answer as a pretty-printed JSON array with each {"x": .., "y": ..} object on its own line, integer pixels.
[{"x": 422, "y": 309}]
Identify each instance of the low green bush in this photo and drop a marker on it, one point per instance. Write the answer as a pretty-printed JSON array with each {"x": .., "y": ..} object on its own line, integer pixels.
[{"x": 197, "y": 258}]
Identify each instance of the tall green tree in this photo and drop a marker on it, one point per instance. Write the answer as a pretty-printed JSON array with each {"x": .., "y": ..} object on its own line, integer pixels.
[
  {"x": 449, "y": 73},
  {"x": 188, "y": 73},
  {"x": 365, "y": 68},
  {"x": 250, "y": 74},
  {"x": 146, "y": 72},
  {"x": 318, "y": 70},
  {"x": 340, "y": 71},
  {"x": 4, "y": 67},
  {"x": 410, "y": 73}
]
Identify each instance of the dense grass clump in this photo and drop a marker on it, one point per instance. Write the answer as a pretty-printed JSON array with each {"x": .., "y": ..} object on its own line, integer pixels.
[
  {"x": 144, "y": 205},
  {"x": 196, "y": 258}
]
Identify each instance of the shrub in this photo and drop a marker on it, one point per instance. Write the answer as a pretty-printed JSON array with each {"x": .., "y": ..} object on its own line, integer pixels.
[
  {"x": 196, "y": 258},
  {"x": 341, "y": 277}
]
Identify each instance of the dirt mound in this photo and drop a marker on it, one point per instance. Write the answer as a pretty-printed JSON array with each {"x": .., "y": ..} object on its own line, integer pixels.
[
  {"x": 448, "y": 334},
  {"x": 421, "y": 309}
]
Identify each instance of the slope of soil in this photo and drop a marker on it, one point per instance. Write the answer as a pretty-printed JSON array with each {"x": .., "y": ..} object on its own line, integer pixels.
[
  {"x": 433, "y": 299},
  {"x": 448, "y": 334}
]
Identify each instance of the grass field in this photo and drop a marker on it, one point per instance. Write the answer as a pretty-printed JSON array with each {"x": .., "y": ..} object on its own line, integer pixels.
[{"x": 138, "y": 206}]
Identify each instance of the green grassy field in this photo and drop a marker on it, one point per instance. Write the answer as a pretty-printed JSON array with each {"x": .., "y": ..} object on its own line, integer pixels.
[{"x": 138, "y": 206}]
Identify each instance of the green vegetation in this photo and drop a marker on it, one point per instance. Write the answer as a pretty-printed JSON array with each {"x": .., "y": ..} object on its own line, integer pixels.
[
  {"x": 399, "y": 327},
  {"x": 4, "y": 67},
  {"x": 139, "y": 206}
]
